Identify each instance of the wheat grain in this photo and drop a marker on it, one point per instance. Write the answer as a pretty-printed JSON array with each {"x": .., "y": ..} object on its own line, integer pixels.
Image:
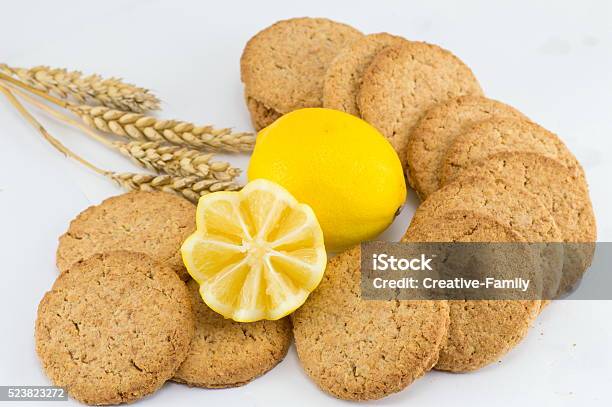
[
  {"x": 112, "y": 92},
  {"x": 191, "y": 187},
  {"x": 140, "y": 127},
  {"x": 176, "y": 160}
]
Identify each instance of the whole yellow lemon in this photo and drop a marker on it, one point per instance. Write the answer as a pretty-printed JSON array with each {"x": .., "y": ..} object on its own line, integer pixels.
[{"x": 339, "y": 165}]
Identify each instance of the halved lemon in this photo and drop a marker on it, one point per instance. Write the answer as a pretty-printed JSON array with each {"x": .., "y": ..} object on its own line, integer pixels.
[{"x": 256, "y": 253}]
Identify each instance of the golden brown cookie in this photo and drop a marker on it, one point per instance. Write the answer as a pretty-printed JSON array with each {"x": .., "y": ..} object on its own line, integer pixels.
[
  {"x": 461, "y": 225},
  {"x": 358, "y": 349},
  {"x": 436, "y": 131},
  {"x": 502, "y": 134},
  {"x": 481, "y": 331},
  {"x": 403, "y": 82},
  {"x": 343, "y": 77},
  {"x": 562, "y": 191},
  {"x": 283, "y": 66},
  {"x": 511, "y": 205},
  {"x": 261, "y": 115},
  {"x": 114, "y": 327},
  {"x": 225, "y": 353},
  {"x": 154, "y": 223}
]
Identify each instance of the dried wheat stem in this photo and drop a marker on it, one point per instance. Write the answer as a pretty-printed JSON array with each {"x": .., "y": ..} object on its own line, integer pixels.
[
  {"x": 52, "y": 140},
  {"x": 190, "y": 187},
  {"x": 140, "y": 127},
  {"x": 92, "y": 89},
  {"x": 10, "y": 80},
  {"x": 155, "y": 156}
]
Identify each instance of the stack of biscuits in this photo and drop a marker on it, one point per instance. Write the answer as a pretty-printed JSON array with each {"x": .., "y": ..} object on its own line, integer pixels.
[{"x": 484, "y": 171}]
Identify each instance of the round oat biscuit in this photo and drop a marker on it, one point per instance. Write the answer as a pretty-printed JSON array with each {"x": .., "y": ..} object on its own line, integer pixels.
[
  {"x": 404, "y": 81},
  {"x": 437, "y": 129},
  {"x": 261, "y": 115},
  {"x": 461, "y": 225},
  {"x": 513, "y": 206},
  {"x": 225, "y": 353},
  {"x": 563, "y": 192},
  {"x": 343, "y": 77},
  {"x": 480, "y": 331},
  {"x": 502, "y": 134},
  {"x": 154, "y": 223},
  {"x": 114, "y": 327},
  {"x": 358, "y": 349},
  {"x": 283, "y": 66}
]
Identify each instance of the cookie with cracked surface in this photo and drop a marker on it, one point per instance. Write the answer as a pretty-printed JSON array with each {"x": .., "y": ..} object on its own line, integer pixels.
[
  {"x": 344, "y": 75},
  {"x": 480, "y": 331},
  {"x": 437, "y": 129},
  {"x": 283, "y": 66},
  {"x": 225, "y": 353},
  {"x": 499, "y": 135},
  {"x": 404, "y": 81},
  {"x": 510, "y": 204},
  {"x": 114, "y": 327},
  {"x": 154, "y": 223},
  {"x": 563, "y": 192},
  {"x": 261, "y": 115},
  {"x": 363, "y": 350}
]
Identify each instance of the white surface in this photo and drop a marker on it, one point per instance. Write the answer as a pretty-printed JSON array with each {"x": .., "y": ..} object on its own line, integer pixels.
[{"x": 552, "y": 60}]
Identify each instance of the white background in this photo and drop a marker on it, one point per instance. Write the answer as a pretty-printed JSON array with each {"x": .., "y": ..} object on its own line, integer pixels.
[{"x": 552, "y": 60}]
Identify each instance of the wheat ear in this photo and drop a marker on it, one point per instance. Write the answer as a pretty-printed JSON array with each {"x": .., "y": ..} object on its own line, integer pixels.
[
  {"x": 140, "y": 127},
  {"x": 173, "y": 160},
  {"x": 90, "y": 89},
  {"x": 191, "y": 187}
]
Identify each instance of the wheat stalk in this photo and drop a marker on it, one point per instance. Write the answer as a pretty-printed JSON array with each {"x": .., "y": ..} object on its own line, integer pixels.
[
  {"x": 176, "y": 160},
  {"x": 189, "y": 187},
  {"x": 155, "y": 156},
  {"x": 140, "y": 127},
  {"x": 112, "y": 92}
]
